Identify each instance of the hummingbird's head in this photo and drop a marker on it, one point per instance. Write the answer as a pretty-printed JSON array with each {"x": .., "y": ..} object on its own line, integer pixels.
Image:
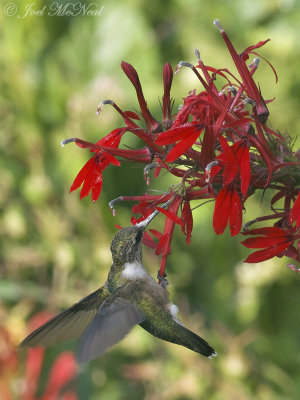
[{"x": 126, "y": 245}]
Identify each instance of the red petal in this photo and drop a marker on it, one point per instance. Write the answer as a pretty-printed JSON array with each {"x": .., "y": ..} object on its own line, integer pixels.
[
  {"x": 187, "y": 216},
  {"x": 262, "y": 242},
  {"x": 182, "y": 116},
  {"x": 295, "y": 212},
  {"x": 83, "y": 144},
  {"x": 238, "y": 122},
  {"x": 131, "y": 114},
  {"x": 266, "y": 254},
  {"x": 227, "y": 151},
  {"x": 208, "y": 144},
  {"x": 175, "y": 134},
  {"x": 161, "y": 244},
  {"x": 113, "y": 138},
  {"x": 229, "y": 173},
  {"x": 214, "y": 171},
  {"x": 157, "y": 171},
  {"x": 222, "y": 211},
  {"x": 167, "y": 103},
  {"x": 97, "y": 185},
  {"x": 82, "y": 174},
  {"x": 267, "y": 231},
  {"x": 245, "y": 171},
  {"x": 241, "y": 151},
  {"x": 89, "y": 181},
  {"x": 261, "y": 144},
  {"x": 156, "y": 233},
  {"x": 148, "y": 241},
  {"x": 63, "y": 370},
  {"x": 181, "y": 147},
  {"x": 235, "y": 217},
  {"x": 168, "y": 231},
  {"x": 134, "y": 78},
  {"x": 170, "y": 215},
  {"x": 227, "y": 158},
  {"x": 111, "y": 159},
  {"x": 271, "y": 132},
  {"x": 34, "y": 363},
  {"x": 249, "y": 84},
  {"x": 253, "y": 47}
]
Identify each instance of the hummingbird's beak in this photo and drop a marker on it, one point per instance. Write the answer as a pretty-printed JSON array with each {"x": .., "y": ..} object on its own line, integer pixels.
[{"x": 143, "y": 224}]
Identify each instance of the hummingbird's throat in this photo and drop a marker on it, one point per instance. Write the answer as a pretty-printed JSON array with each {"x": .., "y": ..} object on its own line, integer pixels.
[{"x": 134, "y": 270}]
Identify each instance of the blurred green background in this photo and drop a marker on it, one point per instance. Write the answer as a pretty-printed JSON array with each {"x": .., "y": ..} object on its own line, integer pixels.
[{"x": 54, "y": 70}]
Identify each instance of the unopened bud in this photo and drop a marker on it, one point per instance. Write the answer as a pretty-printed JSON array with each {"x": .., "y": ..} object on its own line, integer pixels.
[
  {"x": 232, "y": 89},
  {"x": 249, "y": 101},
  {"x": 208, "y": 169},
  {"x": 218, "y": 25},
  {"x": 183, "y": 64},
  {"x": 66, "y": 141},
  {"x": 197, "y": 53},
  {"x": 256, "y": 61},
  {"x": 99, "y": 108},
  {"x": 112, "y": 203}
]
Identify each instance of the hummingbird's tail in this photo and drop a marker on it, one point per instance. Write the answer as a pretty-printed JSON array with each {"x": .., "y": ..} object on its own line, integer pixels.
[
  {"x": 196, "y": 343},
  {"x": 179, "y": 334}
]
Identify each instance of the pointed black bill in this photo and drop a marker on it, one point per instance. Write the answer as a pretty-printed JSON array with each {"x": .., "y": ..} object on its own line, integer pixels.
[{"x": 143, "y": 224}]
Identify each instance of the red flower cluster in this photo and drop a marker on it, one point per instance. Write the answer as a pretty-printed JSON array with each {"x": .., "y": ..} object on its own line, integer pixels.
[
  {"x": 220, "y": 148},
  {"x": 278, "y": 240},
  {"x": 61, "y": 374}
]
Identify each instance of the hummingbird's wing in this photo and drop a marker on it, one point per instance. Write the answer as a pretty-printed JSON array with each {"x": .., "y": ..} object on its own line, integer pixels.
[
  {"x": 69, "y": 324},
  {"x": 113, "y": 321}
]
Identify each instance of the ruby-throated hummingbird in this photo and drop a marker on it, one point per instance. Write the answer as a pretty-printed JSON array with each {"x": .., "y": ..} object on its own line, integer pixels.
[{"x": 129, "y": 297}]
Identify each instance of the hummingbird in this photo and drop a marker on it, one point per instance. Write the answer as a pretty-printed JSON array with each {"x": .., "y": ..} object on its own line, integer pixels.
[{"x": 129, "y": 297}]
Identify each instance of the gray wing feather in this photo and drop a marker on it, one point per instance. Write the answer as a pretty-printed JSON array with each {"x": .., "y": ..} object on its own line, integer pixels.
[
  {"x": 68, "y": 325},
  {"x": 112, "y": 322}
]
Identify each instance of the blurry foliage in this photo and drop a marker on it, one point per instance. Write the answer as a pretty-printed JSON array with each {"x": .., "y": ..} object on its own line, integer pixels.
[{"x": 55, "y": 248}]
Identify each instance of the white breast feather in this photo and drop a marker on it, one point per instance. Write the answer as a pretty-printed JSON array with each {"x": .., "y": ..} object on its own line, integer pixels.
[
  {"x": 134, "y": 271},
  {"x": 174, "y": 311}
]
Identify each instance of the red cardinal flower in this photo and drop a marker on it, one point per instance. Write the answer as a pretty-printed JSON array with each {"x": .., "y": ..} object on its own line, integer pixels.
[
  {"x": 165, "y": 241},
  {"x": 132, "y": 75},
  {"x": 62, "y": 371},
  {"x": 228, "y": 208},
  {"x": 248, "y": 82},
  {"x": 186, "y": 136},
  {"x": 218, "y": 146},
  {"x": 91, "y": 173},
  {"x": 272, "y": 240},
  {"x": 236, "y": 163},
  {"x": 8, "y": 364},
  {"x": 187, "y": 218},
  {"x": 167, "y": 102},
  {"x": 295, "y": 212}
]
